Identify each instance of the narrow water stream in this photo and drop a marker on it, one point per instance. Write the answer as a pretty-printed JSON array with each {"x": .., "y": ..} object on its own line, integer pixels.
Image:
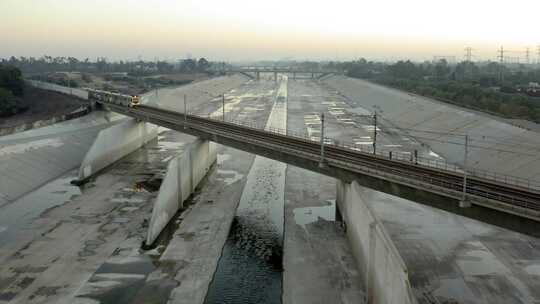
[{"x": 250, "y": 267}]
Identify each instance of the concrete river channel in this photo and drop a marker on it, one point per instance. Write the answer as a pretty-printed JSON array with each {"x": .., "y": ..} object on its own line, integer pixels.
[
  {"x": 255, "y": 230},
  {"x": 250, "y": 268}
]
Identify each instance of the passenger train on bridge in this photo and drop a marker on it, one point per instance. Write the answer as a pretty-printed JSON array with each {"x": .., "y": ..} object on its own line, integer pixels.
[{"x": 114, "y": 98}]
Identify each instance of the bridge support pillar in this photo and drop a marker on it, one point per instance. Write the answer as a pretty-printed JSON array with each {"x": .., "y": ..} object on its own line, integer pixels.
[
  {"x": 374, "y": 251},
  {"x": 258, "y": 75},
  {"x": 184, "y": 173},
  {"x": 275, "y": 76},
  {"x": 312, "y": 75},
  {"x": 112, "y": 144},
  {"x": 294, "y": 76}
]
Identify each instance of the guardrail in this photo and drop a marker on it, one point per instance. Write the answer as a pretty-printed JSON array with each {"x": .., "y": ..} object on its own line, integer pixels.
[
  {"x": 408, "y": 157},
  {"x": 412, "y": 176}
]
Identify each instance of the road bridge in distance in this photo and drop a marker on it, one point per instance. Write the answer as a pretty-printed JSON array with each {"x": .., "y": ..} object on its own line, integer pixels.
[
  {"x": 435, "y": 184},
  {"x": 255, "y": 72}
]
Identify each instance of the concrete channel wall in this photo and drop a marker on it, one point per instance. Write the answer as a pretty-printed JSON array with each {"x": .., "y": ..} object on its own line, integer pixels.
[
  {"x": 113, "y": 143},
  {"x": 184, "y": 173},
  {"x": 58, "y": 88},
  {"x": 386, "y": 274},
  {"x": 83, "y": 110}
]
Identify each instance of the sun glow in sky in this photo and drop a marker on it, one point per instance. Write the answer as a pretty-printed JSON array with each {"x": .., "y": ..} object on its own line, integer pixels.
[{"x": 254, "y": 29}]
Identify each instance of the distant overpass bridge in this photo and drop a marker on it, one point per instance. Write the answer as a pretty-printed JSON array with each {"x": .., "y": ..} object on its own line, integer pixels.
[
  {"x": 255, "y": 72},
  {"x": 427, "y": 183}
]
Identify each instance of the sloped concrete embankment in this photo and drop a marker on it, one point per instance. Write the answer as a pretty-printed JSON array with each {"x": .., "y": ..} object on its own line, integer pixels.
[
  {"x": 83, "y": 110},
  {"x": 386, "y": 274},
  {"x": 113, "y": 143},
  {"x": 184, "y": 173},
  {"x": 83, "y": 94}
]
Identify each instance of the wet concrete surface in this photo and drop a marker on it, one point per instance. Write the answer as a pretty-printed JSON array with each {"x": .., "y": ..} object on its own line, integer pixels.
[
  {"x": 52, "y": 254},
  {"x": 451, "y": 259},
  {"x": 318, "y": 263},
  {"x": 250, "y": 267},
  {"x": 59, "y": 236},
  {"x": 71, "y": 245}
]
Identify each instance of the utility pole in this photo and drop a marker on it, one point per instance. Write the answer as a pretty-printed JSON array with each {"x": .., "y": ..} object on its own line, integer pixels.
[
  {"x": 501, "y": 64},
  {"x": 185, "y": 111},
  {"x": 321, "y": 162},
  {"x": 223, "y": 105},
  {"x": 464, "y": 203},
  {"x": 69, "y": 84},
  {"x": 375, "y": 132}
]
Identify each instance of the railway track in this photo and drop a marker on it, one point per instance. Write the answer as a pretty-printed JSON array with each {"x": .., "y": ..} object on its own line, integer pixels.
[{"x": 348, "y": 159}]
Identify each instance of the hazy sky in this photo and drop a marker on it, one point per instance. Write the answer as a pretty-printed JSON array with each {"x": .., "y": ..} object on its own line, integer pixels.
[{"x": 271, "y": 29}]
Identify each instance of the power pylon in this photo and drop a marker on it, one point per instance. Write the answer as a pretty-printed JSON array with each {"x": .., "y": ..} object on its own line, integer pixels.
[
  {"x": 468, "y": 54},
  {"x": 501, "y": 63}
]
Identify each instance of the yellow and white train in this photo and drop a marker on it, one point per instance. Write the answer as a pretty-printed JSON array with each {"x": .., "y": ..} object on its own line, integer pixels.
[{"x": 114, "y": 98}]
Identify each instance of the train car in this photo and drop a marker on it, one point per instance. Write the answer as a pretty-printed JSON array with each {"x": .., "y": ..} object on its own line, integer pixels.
[{"x": 113, "y": 98}]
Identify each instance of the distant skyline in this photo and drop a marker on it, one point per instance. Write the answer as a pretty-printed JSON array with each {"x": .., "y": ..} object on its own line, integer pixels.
[{"x": 237, "y": 30}]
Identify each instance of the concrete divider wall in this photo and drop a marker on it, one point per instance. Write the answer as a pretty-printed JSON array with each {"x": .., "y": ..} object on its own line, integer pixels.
[
  {"x": 184, "y": 173},
  {"x": 386, "y": 274},
  {"x": 115, "y": 142},
  {"x": 58, "y": 88}
]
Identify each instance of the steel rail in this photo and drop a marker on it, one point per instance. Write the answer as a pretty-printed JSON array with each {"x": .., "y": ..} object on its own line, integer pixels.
[{"x": 343, "y": 157}]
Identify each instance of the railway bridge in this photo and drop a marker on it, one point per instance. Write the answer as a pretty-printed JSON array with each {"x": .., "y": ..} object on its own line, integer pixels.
[
  {"x": 255, "y": 72},
  {"x": 484, "y": 196}
]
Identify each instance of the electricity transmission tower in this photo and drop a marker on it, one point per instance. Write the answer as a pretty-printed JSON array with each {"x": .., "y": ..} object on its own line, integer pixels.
[
  {"x": 501, "y": 63},
  {"x": 468, "y": 54}
]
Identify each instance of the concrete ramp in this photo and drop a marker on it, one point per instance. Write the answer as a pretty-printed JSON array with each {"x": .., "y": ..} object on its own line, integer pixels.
[
  {"x": 114, "y": 143},
  {"x": 184, "y": 173},
  {"x": 387, "y": 278}
]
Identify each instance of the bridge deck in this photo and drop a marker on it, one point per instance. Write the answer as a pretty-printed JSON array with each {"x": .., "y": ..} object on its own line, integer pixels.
[{"x": 345, "y": 163}]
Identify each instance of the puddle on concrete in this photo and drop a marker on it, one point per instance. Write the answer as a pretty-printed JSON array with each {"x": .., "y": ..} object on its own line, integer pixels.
[
  {"x": 134, "y": 275},
  {"x": 229, "y": 177},
  {"x": 308, "y": 215}
]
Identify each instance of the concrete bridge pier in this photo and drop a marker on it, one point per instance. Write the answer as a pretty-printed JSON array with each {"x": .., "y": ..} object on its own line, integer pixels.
[
  {"x": 312, "y": 75},
  {"x": 294, "y": 75},
  {"x": 258, "y": 75},
  {"x": 184, "y": 173},
  {"x": 275, "y": 76},
  {"x": 112, "y": 144},
  {"x": 386, "y": 275}
]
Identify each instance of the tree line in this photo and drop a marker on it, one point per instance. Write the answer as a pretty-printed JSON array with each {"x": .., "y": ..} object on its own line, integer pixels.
[
  {"x": 103, "y": 65},
  {"x": 11, "y": 91}
]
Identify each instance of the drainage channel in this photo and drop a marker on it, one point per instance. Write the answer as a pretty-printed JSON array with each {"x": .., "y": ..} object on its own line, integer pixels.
[{"x": 250, "y": 268}]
